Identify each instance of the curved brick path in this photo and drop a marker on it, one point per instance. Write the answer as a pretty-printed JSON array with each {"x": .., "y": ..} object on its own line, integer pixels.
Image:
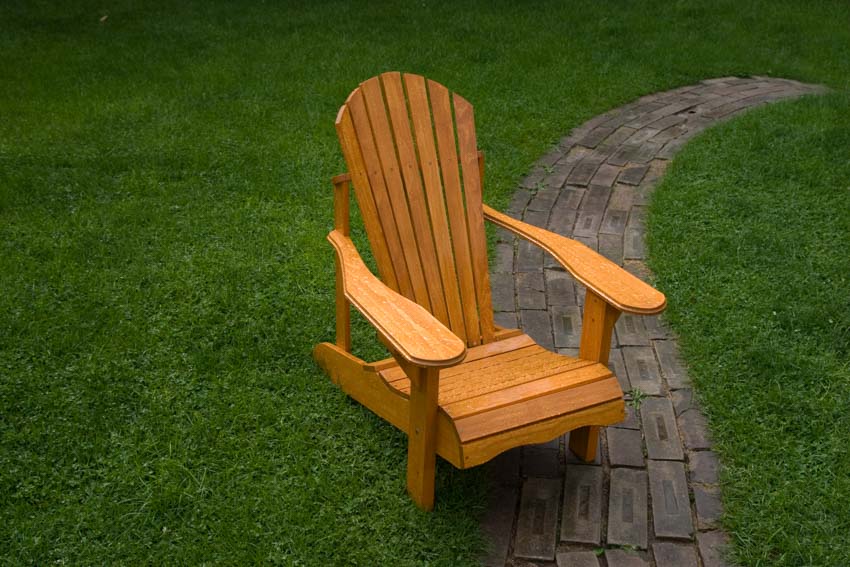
[{"x": 651, "y": 497}]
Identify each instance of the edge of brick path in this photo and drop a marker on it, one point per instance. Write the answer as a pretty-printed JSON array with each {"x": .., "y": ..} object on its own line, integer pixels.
[{"x": 546, "y": 508}]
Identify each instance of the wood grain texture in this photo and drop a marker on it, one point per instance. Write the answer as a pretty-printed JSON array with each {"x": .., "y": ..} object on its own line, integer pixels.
[
  {"x": 354, "y": 377},
  {"x": 429, "y": 164},
  {"x": 368, "y": 210},
  {"x": 416, "y": 200},
  {"x": 411, "y": 330},
  {"x": 444, "y": 129},
  {"x": 597, "y": 326},
  {"x": 341, "y": 223},
  {"x": 472, "y": 191},
  {"x": 608, "y": 280},
  {"x": 422, "y": 436},
  {"x": 385, "y": 159}
]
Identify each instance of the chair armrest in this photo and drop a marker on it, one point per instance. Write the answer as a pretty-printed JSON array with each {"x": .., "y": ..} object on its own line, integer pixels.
[
  {"x": 411, "y": 330},
  {"x": 605, "y": 278}
]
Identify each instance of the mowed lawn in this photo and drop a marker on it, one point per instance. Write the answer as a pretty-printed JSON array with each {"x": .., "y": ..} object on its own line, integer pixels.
[{"x": 164, "y": 196}]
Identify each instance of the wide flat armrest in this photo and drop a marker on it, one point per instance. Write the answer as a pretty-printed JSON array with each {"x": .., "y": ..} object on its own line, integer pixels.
[
  {"x": 411, "y": 330},
  {"x": 608, "y": 280}
]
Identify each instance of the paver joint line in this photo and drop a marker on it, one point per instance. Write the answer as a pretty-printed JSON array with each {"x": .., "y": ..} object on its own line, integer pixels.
[{"x": 594, "y": 187}]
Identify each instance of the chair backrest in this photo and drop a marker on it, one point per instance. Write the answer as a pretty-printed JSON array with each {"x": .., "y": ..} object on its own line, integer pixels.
[{"x": 411, "y": 151}]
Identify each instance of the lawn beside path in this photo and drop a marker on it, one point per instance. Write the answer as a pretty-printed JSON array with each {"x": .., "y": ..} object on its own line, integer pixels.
[{"x": 164, "y": 197}]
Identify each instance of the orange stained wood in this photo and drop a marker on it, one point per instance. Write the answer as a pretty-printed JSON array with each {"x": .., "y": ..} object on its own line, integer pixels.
[
  {"x": 458, "y": 385},
  {"x": 411, "y": 149},
  {"x": 513, "y": 372},
  {"x": 608, "y": 280},
  {"x": 408, "y": 327}
]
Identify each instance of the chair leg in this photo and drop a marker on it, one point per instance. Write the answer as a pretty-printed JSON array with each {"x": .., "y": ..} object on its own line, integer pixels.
[
  {"x": 584, "y": 441},
  {"x": 422, "y": 436}
]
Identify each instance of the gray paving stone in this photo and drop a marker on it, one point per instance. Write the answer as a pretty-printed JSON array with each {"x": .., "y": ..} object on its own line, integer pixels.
[
  {"x": 671, "y": 148},
  {"x": 713, "y": 547},
  {"x": 537, "y": 218},
  {"x": 634, "y": 247},
  {"x": 498, "y": 523},
  {"x": 566, "y": 322},
  {"x": 595, "y": 136},
  {"x": 581, "y": 520},
  {"x": 674, "y": 555},
  {"x": 625, "y": 447},
  {"x": 644, "y": 373},
  {"x": 538, "y": 518},
  {"x": 605, "y": 175},
  {"x": 570, "y": 199},
  {"x": 536, "y": 325},
  {"x": 505, "y": 236},
  {"x": 611, "y": 246},
  {"x": 631, "y": 331},
  {"x": 643, "y": 134},
  {"x": 571, "y": 352},
  {"x": 632, "y": 175},
  {"x": 560, "y": 289},
  {"x": 529, "y": 258},
  {"x": 591, "y": 242},
  {"x": 559, "y": 174},
  {"x": 682, "y": 400},
  {"x": 639, "y": 269},
  {"x": 631, "y": 419},
  {"x": 504, "y": 258},
  {"x": 562, "y": 221},
  {"x": 506, "y": 319},
  {"x": 584, "y": 170},
  {"x": 518, "y": 202},
  {"x": 656, "y": 327},
  {"x": 659, "y": 429},
  {"x": 614, "y": 141},
  {"x": 504, "y": 468},
  {"x": 704, "y": 467},
  {"x": 694, "y": 428},
  {"x": 627, "y": 512},
  {"x": 543, "y": 200},
  {"x": 671, "y": 366},
  {"x": 708, "y": 505},
  {"x": 614, "y": 221},
  {"x": 530, "y": 291},
  {"x": 618, "y": 367},
  {"x": 621, "y": 558},
  {"x": 541, "y": 462},
  {"x": 502, "y": 291},
  {"x": 577, "y": 559},
  {"x": 667, "y": 121},
  {"x": 591, "y": 210},
  {"x": 671, "y": 507}
]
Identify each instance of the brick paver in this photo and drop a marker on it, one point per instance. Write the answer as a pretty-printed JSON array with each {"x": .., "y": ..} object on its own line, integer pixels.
[{"x": 654, "y": 484}]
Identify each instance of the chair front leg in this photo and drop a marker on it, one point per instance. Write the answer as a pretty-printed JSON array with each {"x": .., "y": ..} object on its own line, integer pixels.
[
  {"x": 422, "y": 434},
  {"x": 596, "y": 329}
]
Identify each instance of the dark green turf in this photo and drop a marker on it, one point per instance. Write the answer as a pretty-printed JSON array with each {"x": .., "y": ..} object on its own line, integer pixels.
[
  {"x": 164, "y": 198},
  {"x": 750, "y": 234}
]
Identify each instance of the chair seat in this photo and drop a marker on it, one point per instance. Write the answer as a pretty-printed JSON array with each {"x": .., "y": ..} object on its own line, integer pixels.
[{"x": 513, "y": 383}]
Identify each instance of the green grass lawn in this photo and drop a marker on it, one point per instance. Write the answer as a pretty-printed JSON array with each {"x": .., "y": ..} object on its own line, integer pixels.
[
  {"x": 164, "y": 196},
  {"x": 750, "y": 239}
]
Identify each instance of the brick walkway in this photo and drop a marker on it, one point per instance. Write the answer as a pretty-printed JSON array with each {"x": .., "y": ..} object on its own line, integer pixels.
[{"x": 651, "y": 497}]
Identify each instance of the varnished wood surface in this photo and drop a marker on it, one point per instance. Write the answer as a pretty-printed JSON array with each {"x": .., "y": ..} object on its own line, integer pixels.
[
  {"x": 411, "y": 148},
  {"x": 413, "y": 332},
  {"x": 477, "y": 395},
  {"x": 458, "y": 385},
  {"x": 608, "y": 280}
]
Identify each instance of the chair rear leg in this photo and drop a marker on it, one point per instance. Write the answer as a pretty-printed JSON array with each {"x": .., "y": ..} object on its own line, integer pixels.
[
  {"x": 422, "y": 436},
  {"x": 584, "y": 441}
]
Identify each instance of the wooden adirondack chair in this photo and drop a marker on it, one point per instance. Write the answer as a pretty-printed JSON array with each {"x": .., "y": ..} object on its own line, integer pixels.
[{"x": 457, "y": 384}]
